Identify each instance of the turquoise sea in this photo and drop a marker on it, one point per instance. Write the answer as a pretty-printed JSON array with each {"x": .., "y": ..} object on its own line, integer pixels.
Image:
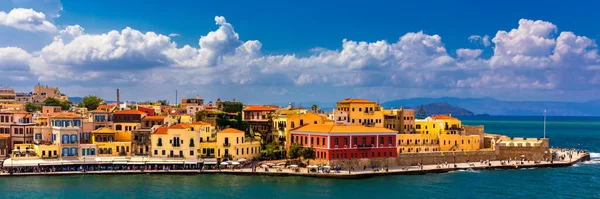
[{"x": 579, "y": 181}]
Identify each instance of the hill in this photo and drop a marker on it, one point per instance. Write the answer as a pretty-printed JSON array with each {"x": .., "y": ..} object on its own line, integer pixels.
[
  {"x": 493, "y": 106},
  {"x": 443, "y": 108}
]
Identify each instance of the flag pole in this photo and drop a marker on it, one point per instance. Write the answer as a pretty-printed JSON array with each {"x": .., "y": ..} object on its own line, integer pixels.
[{"x": 544, "y": 123}]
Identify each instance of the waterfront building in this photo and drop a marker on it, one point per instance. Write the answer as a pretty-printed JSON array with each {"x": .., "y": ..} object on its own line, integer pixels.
[
  {"x": 4, "y": 146},
  {"x": 259, "y": 119},
  {"x": 106, "y": 143},
  {"x": 298, "y": 117},
  {"x": 362, "y": 112},
  {"x": 335, "y": 142},
  {"x": 141, "y": 137},
  {"x": 125, "y": 122},
  {"x": 401, "y": 120},
  {"x": 192, "y": 109},
  {"x": 232, "y": 144},
  {"x": 8, "y": 96},
  {"x": 102, "y": 117},
  {"x": 439, "y": 133},
  {"x": 178, "y": 140},
  {"x": 41, "y": 93},
  {"x": 148, "y": 110},
  {"x": 66, "y": 128}
]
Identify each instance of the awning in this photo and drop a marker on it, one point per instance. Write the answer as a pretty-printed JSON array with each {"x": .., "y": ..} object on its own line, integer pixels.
[
  {"x": 241, "y": 160},
  {"x": 224, "y": 163},
  {"x": 135, "y": 162},
  {"x": 118, "y": 162},
  {"x": 235, "y": 163},
  {"x": 210, "y": 161}
]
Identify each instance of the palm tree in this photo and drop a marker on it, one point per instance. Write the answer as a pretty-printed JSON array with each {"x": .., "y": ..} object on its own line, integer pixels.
[{"x": 314, "y": 108}]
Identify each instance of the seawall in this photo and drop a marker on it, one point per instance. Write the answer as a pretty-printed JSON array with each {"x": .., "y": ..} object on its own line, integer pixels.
[{"x": 427, "y": 169}]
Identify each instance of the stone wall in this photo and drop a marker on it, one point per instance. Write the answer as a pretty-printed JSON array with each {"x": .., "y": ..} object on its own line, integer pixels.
[
  {"x": 529, "y": 152},
  {"x": 475, "y": 130}
]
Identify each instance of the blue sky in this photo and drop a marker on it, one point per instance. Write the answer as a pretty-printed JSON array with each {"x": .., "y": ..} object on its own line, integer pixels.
[{"x": 284, "y": 51}]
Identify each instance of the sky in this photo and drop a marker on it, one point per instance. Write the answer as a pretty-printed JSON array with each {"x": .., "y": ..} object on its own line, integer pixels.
[{"x": 301, "y": 51}]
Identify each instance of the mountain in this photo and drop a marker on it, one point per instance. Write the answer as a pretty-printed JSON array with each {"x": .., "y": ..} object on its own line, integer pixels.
[
  {"x": 443, "y": 108},
  {"x": 75, "y": 100},
  {"x": 493, "y": 106}
]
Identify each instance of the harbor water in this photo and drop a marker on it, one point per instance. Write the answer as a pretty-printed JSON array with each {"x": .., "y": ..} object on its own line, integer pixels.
[{"x": 579, "y": 181}]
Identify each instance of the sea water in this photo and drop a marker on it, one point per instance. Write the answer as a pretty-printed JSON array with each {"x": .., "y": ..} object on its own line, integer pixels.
[{"x": 579, "y": 181}]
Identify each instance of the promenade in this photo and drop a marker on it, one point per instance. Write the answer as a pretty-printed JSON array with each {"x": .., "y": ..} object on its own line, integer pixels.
[{"x": 357, "y": 173}]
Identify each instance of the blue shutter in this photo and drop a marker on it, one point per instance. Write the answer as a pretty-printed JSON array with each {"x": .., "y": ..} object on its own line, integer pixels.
[{"x": 74, "y": 138}]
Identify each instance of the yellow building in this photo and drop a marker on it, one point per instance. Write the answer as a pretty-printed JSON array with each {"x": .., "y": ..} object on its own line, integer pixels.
[
  {"x": 105, "y": 140},
  {"x": 178, "y": 140},
  {"x": 446, "y": 131},
  {"x": 362, "y": 112},
  {"x": 125, "y": 122},
  {"x": 287, "y": 119},
  {"x": 232, "y": 144},
  {"x": 205, "y": 131},
  {"x": 414, "y": 143},
  {"x": 185, "y": 119}
]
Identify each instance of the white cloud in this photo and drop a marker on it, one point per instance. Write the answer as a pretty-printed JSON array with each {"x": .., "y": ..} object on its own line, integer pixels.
[
  {"x": 26, "y": 19},
  {"x": 14, "y": 59},
  {"x": 468, "y": 53},
  {"x": 535, "y": 56},
  {"x": 174, "y": 35},
  {"x": 484, "y": 40}
]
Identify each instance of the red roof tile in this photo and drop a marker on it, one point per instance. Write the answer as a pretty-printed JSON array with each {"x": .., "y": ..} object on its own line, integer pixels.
[{"x": 129, "y": 112}]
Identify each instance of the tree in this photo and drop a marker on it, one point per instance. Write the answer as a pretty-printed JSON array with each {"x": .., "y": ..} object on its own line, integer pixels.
[
  {"x": 421, "y": 114},
  {"x": 314, "y": 108},
  {"x": 31, "y": 107},
  {"x": 294, "y": 151},
  {"x": 52, "y": 102},
  {"x": 308, "y": 153},
  {"x": 90, "y": 102},
  {"x": 272, "y": 150},
  {"x": 163, "y": 102},
  {"x": 232, "y": 107},
  {"x": 66, "y": 105},
  {"x": 200, "y": 115}
]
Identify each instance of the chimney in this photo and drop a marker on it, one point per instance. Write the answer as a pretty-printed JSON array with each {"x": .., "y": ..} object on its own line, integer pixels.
[{"x": 118, "y": 102}]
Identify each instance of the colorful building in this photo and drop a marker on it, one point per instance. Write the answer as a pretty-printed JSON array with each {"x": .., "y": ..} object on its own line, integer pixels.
[
  {"x": 106, "y": 144},
  {"x": 125, "y": 122},
  {"x": 179, "y": 141},
  {"x": 362, "y": 112},
  {"x": 439, "y": 133},
  {"x": 66, "y": 128},
  {"x": 8, "y": 96},
  {"x": 401, "y": 120},
  {"x": 260, "y": 121},
  {"x": 334, "y": 142}
]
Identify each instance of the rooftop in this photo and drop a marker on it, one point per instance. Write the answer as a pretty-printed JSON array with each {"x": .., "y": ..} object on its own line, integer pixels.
[
  {"x": 179, "y": 126},
  {"x": 161, "y": 130},
  {"x": 342, "y": 129},
  {"x": 154, "y": 118},
  {"x": 230, "y": 130},
  {"x": 66, "y": 116},
  {"x": 201, "y": 123},
  {"x": 355, "y": 100},
  {"x": 123, "y": 112},
  {"x": 104, "y": 130},
  {"x": 442, "y": 117},
  {"x": 259, "y": 108}
]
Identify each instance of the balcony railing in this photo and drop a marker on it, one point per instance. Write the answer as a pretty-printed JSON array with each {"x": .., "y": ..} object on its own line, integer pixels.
[
  {"x": 208, "y": 156},
  {"x": 226, "y": 144}
]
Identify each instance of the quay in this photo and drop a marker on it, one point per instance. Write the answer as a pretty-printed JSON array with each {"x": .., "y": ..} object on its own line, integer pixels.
[{"x": 342, "y": 174}]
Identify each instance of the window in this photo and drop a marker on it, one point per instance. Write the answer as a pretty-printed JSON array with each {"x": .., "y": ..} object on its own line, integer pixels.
[
  {"x": 323, "y": 141},
  {"x": 372, "y": 140},
  {"x": 345, "y": 141},
  {"x": 355, "y": 141},
  {"x": 364, "y": 142},
  {"x": 359, "y": 109},
  {"x": 155, "y": 152},
  {"x": 301, "y": 122},
  {"x": 336, "y": 142},
  {"x": 118, "y": 127},
  {"x": 317, "y": 141},
  {"x": 381, "y": 141},
  {"x": 159, "y": 142},
  {"x": 191, "y": 142},
  {"x": 418, "y": 126},
  {"x": 164, "y": 152},
  {"x": 191, "y": 152},
  {"x": 433, "y": 125},
  {"x": 312, "y": 140}
]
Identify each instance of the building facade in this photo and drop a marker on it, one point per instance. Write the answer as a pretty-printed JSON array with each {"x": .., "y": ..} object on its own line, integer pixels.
[
  {"x": 362, "y": 112},
  {"x": 335, "y": 142}
]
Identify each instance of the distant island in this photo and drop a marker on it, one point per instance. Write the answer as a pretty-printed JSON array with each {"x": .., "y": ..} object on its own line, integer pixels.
[
  {"x": 491, "y": 106},
  {"x": 442, "y": 108}
]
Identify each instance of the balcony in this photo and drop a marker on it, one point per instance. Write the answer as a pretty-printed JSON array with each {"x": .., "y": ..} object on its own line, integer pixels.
[
  {"x": 227, "y": 156},
  {"x": 207, "y": 156},
  {"x": 364, "y": 146},
  {"x": 226, "y": 144}
]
